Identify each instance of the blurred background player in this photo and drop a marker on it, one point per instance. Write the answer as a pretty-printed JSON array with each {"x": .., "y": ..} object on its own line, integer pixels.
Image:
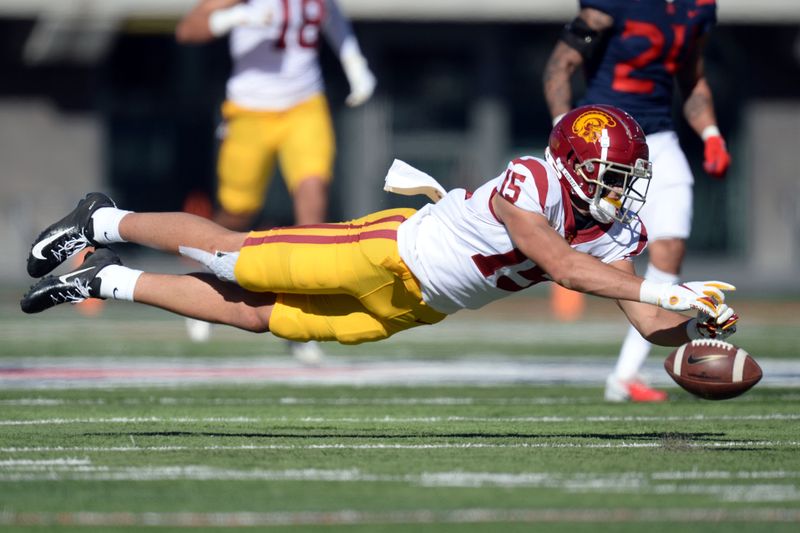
[
  {"x": 632, "y": 53},
  {"x": 275, "y": 108}
]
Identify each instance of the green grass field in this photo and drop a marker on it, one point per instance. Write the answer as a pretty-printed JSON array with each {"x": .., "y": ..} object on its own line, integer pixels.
[{"x": 370, "y": 457}]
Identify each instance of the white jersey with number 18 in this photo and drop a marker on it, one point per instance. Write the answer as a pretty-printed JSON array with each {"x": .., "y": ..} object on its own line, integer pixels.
[
  {"x": 276, "y": 67},
  {"x": 463, "y": 256}
]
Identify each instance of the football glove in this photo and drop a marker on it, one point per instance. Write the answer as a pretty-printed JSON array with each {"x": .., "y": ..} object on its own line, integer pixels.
[
  {"x": 359, "y": 76},
  {"x": 707, "y": 327},
  {"x": 717, "y": 160},
  {"x": 704, "y": 296}
]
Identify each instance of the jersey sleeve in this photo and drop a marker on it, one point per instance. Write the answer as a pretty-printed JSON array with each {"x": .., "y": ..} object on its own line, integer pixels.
[
  {"x": 336, "y": 28},
  {"x": 631, "y": 241},
  {"x": 526, "y": 184}
]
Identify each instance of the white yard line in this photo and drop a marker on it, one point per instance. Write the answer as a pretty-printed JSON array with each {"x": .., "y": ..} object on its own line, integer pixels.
[
  {"x": 771, "y": 487},
  {"x": 412, "y": 516},
  {"x": 293, "y": 400},
  {"x": 395, "y": 420},
  {"x": 336, "y": 401},
  {"x": 83, "y": 372}
]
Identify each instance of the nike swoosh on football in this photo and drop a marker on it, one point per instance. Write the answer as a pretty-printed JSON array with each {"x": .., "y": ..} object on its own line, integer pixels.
[
  {"x": 692, "y": 360},
  {"x": 65, "y": 278},
  {"x": 38, "y": 248}
]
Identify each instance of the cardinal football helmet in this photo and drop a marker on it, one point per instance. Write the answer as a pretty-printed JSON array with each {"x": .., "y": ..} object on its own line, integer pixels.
[{"x": 598, "y": 150}]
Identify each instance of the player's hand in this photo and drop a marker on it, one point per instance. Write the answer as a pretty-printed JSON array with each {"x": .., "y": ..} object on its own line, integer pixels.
[
  {"x": 359, "y": 76},
  {"x": 717, "y": 159},
  {"x": 721, "y": 327},
  {"x": 222, "y": 21},
  {"x": 704, "y": 296}
]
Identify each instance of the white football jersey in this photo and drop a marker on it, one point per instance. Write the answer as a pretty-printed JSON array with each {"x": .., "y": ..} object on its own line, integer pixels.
[
  {"x": 463, "y": 256},
  {"x": 276, "y": 67}
]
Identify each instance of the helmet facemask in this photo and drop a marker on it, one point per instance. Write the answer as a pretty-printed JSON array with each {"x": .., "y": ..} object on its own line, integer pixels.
[{"x": 619, "y": 190}]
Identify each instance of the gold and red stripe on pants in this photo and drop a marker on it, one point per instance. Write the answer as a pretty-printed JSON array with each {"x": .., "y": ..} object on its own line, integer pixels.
[{"x": 343, "y": 282}]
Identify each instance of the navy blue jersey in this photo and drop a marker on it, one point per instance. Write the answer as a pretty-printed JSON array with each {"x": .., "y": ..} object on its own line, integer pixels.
[{"x": 648, "y": 44}]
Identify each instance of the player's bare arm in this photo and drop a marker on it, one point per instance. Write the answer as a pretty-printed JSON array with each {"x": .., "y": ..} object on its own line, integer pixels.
[
  {"x": 577, "y": 42},
  {"x": 531, "y": 233},
  {"x": 698, "y": 104},
  {"x": 194, "y": 27},
  {"x": 657, "y": 325},
  {"x": 698, "y": 108}
]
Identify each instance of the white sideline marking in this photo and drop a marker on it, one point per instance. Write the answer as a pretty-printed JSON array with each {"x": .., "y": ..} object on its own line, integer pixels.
[
  {"x": 725, "y": 474},
  {"x": 394, "y": 420},
  {"x": 338, "y": 401},
  {"x": 580, "y": 482},
  {"x": 392, "y": 446},
  {"x": 43, "y": 462},
  {"x": 86, "y": 372},
  {"x": 412, "y": 516},
  {"x": 291, "y": 400}
]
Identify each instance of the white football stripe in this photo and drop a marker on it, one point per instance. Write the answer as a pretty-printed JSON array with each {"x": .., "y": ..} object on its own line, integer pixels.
[
  {"x": 676, "y": 366},
  {"x": 738, "y": 365},
  {"x": 405, "y": 517}
]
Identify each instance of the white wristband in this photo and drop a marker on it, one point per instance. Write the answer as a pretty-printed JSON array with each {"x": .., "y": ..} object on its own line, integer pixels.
[
  {"x": 650, "y": 292},
  {"x": 710, "y": 131}
]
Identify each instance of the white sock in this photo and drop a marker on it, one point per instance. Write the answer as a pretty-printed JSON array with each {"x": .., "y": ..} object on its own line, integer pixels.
[
  {"x": 635, "y": 348},
  {"x": 105, "y": 225},
  {"x": 118, "y": 282}
]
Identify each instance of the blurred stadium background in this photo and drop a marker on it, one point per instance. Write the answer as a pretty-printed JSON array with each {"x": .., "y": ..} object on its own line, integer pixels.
[{"x": 96, "y": 94}]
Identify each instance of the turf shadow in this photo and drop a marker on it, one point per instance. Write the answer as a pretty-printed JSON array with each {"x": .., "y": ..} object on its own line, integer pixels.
[{"x": 647, "y": 436}]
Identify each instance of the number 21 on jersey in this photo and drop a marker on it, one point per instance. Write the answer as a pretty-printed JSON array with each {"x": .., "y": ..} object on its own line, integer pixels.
[{"x": 654, "y": 53}]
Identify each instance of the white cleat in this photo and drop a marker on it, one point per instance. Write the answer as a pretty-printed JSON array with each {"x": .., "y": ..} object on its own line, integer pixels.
[
  {"x": 198, "y": 330},
  {"x": 308, "y": 353}
]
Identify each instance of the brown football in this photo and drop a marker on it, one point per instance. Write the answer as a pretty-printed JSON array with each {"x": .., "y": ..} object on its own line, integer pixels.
[{"x": 712, "y": 369}]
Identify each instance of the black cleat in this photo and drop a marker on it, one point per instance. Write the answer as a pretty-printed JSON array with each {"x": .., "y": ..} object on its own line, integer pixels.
[
  {"x": 72, "y": 287},
  {"x": 66, "y": 237}
]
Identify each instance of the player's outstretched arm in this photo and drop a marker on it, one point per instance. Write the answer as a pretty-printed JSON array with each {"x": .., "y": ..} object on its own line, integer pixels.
[
  {"x": 574, "y": 270},
  {"x": 578, "y": 271},
  {"x": 210, "y": 19},
  {"x": 668, "y": 328}
]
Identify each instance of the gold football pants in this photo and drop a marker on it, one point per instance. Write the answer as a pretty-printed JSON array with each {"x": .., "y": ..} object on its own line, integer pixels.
[
  {"x": 343, "y": 282},
  {"x": 301, "y": 138}
]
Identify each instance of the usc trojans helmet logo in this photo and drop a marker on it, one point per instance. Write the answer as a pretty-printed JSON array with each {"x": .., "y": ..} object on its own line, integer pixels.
[{"x": 589, "y": 125}]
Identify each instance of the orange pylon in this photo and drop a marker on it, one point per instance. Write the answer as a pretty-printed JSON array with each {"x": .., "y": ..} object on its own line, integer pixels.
[{"x": 566, "y": 305}]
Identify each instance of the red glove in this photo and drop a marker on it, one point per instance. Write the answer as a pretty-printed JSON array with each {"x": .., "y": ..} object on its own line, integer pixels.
[{"x": 717, "y": 159}]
